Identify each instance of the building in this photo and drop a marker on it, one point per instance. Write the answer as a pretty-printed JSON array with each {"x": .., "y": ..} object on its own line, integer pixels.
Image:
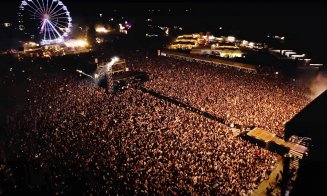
[
  {"x": 186, "y": 42},
  {"x": 225, "y": 50},
  {"x": 226, "y": 47}
]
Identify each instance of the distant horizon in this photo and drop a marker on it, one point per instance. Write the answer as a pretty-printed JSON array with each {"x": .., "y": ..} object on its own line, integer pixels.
[{"x": 303, "y": 22}]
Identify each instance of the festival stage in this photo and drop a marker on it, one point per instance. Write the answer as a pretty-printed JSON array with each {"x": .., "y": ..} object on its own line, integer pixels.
[{"x": 267, "y": 137}]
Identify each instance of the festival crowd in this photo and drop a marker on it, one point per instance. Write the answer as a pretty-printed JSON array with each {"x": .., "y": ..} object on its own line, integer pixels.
[
  {"x": 247, "y": 99},
  {"x": 74, "y": 137}
]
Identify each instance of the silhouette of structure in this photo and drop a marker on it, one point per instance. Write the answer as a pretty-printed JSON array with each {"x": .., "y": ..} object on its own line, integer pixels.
[{"x": 311, "y": 122}]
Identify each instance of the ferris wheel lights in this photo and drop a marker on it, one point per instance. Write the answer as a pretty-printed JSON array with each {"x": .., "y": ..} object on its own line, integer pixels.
[{"x": 51, "y": 19}]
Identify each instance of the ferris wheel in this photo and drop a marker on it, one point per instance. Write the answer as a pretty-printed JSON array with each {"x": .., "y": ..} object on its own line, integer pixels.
[{"x": 48, "y": 21}]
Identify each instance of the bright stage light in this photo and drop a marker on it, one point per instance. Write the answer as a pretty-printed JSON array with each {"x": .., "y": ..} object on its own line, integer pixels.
[
  {"x": 102, "y": 30},
  {"x": 76, "y": 43}
]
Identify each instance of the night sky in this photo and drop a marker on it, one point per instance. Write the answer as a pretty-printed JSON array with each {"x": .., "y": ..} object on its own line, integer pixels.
[
  {"x": 302, "y": 22},
  {"x": 292, "y": 17}
]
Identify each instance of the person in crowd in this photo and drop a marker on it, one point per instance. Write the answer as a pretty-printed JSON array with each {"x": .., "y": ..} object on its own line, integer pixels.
[{"x": 83, "y": 139}]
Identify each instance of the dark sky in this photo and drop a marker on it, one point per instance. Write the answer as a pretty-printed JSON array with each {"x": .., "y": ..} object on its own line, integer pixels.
[
  {"x": 292, "y": 17},
  {"x": 256, "y": 10},
  {"x": 305, "y": 21},
  {"x": 277, "y": 14},
  {"x": 266, "y": 8}
]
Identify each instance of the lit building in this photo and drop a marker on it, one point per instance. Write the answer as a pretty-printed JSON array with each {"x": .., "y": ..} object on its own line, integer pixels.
[
  {"x": 76, "y": 43},
  {"x": 72, "y": 46},
  {"x": 30, "y": 47},
  {"x": 186, "y": 42},
  {"x": 229, "y": 53},
  {"x": 227, "y": 46},
  {"x": 231, "y": 39},
  {"x": 225, "y": 52},
  {"x": 102, "y": 30}
]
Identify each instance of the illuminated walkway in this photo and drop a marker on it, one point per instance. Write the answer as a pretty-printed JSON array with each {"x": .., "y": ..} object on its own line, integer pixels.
[{"x": 269, "y": 138}]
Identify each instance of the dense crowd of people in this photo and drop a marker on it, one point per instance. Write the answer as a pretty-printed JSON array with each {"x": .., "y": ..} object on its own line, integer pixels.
[
  {"x": 74, "y": 137},
  {"x": 242, "y": 98}
]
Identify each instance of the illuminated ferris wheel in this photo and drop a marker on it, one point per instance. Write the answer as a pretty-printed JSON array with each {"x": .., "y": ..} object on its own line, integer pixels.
[{"x": 46, "y": 20}]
